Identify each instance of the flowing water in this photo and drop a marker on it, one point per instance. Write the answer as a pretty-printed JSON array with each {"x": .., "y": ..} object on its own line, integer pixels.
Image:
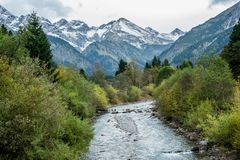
[{"x": 129, "y": 132}]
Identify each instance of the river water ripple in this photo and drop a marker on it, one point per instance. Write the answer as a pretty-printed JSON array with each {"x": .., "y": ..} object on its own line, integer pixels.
[{"x": 129, "y": 132}]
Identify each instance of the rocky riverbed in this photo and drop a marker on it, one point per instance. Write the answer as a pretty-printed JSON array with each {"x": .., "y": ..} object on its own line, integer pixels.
[{"x": 131, "y": 132}]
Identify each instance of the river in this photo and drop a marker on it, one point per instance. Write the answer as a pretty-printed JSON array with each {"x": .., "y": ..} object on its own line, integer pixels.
[{"x": 130, "y": 132}]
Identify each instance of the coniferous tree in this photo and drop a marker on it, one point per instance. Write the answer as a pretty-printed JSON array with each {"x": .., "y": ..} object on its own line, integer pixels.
[
  {"x": 156, "y": 62},
  {"x": 147, "y": 66},
  {"x": 37, "y": 42},
  {"x": 122, "y": 66},
  {"x": 3, "y": 30},
  {"x": 231, "y": 52},
  {"x": 166, "y": 63},
  {"x": 82, "y": 72},
  {"x": 185, "y": 64}
]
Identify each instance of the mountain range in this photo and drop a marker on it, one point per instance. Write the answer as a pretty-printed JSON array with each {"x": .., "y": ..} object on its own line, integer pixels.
[
  {"x": 209, "y": 37},
  {"x": 78, "y": 45}
]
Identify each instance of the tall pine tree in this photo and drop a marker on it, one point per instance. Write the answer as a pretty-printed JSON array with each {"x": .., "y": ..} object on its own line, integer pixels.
[
  {"x": 37, "y": 42},
  {"x": 122, "y": 66},
  {"x": 3, "y": 30},
  {"x": 166, "y": 63},
  {"x": 156, "y": 62},
  {"x": 147, "y": 66},
  {"x": 231, "y": 52}
]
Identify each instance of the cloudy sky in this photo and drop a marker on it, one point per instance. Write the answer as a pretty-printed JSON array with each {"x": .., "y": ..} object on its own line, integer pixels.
[{"x": 162, "y": 15}]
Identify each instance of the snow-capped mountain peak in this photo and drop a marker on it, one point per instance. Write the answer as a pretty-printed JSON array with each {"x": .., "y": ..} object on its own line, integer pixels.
[
  {"x": 151, "y": 30},
  {"x": 4, "y": 11},
  {"x": 61, "y": 22},
  {"x": 6, "y": 16},
  {"x": 174, "y": 35},
  {"x": 177, "y": 32}
]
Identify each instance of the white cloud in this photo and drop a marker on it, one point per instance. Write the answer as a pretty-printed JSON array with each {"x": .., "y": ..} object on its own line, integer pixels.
[
  {"x": 214, "y": 2},
  {"x": 45, "y": 8}
]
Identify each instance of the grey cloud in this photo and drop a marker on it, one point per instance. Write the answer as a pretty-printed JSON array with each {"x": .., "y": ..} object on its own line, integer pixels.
[
  {"x": 214, "y": 2},
  {"x": 43, "y": 7}
]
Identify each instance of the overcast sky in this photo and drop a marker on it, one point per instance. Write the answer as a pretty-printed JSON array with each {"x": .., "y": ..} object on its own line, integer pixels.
[{"x": 162, "y": 15}]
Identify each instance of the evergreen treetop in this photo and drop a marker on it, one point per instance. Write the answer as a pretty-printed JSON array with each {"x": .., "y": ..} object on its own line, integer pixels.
[
  {"x": 231, "y": 52},
  {"x": 37, "y": 42}
]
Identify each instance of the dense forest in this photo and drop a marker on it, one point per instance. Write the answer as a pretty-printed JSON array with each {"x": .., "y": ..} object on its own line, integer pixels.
[{"x": 46, "y": 110}]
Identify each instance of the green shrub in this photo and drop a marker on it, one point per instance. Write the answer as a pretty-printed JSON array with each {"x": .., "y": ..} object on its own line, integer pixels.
[
  {"x": 123, "y": 95},
  {"x": 83, "y": 97},
  {"x": 149, "y": 89},
  {"x": 34, "y": 118},
  {"x": 225, "y": 128},
  {"x": 112, "y": 94},
  {"x": 182, "y": 94},
  {"x": 199, "y": 115},
  {"x": 134, "y": 94},
  {"x": 100, "y": 98}
]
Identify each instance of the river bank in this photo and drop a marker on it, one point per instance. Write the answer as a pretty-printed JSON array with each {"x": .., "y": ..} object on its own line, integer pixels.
[{"x": 205, "y": 149}]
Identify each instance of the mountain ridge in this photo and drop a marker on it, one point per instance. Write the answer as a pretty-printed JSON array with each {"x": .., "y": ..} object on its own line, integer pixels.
[
  {"x": 71, "y": 41},
  {"x": 204, "y": 38}
]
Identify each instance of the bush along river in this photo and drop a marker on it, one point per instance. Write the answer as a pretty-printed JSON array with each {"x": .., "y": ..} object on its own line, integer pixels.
[{"x": 130, "y": 132}]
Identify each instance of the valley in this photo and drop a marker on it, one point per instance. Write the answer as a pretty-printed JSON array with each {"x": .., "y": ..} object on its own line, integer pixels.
[{"x": 119, "y": 90}]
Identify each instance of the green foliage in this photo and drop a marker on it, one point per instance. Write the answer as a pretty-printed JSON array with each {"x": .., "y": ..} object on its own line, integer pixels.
[
  {"x": 123, "y": 96},
  {"x": 98, "y": 76},
  {"x": 156, "y": 62},
  {"x": 100, "y": 99},
  {"x": 122, "y": 66},
  {"x": 231, "y": 52},
  {"x": 166, "y": 63},
  {"x": 183, "y": 92},
  {"x": 112, "y": 94},
  {"x": 3, "y": 30},
  {"x": 82, "y": 96},
  {"x": 147, "y": 66},
  {"x": 134, "y": 94},
  {"x": 134, "y": 74},
  {"x": 11, "y": 46},
  {"x": 82, "y": 72},
  {"x": 148, "y": 90},
  {"x": 34, "y": 120},
  {"x": 198, "y": 116},
  {"x": 164, "y": 73},
  {"x": 224, "y": 129},
  {"x": 185, "y": 64},
  {"x": 36, "y": 42}
]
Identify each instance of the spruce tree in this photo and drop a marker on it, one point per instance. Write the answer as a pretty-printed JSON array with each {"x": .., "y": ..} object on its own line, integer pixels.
[
  {"x": 3, "y": 30},
  {"x": 37, "y": 42},
  {"x": 166, "y": 63},
  {"x": 185, "y": 64},
  {"x": 122, "y": 66},
  {"x": 231, "y": 52},
  {"x": 147, "y": 66},
  {"x": 156, "y": 62},
  {"x": 82, "y": 72}
]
